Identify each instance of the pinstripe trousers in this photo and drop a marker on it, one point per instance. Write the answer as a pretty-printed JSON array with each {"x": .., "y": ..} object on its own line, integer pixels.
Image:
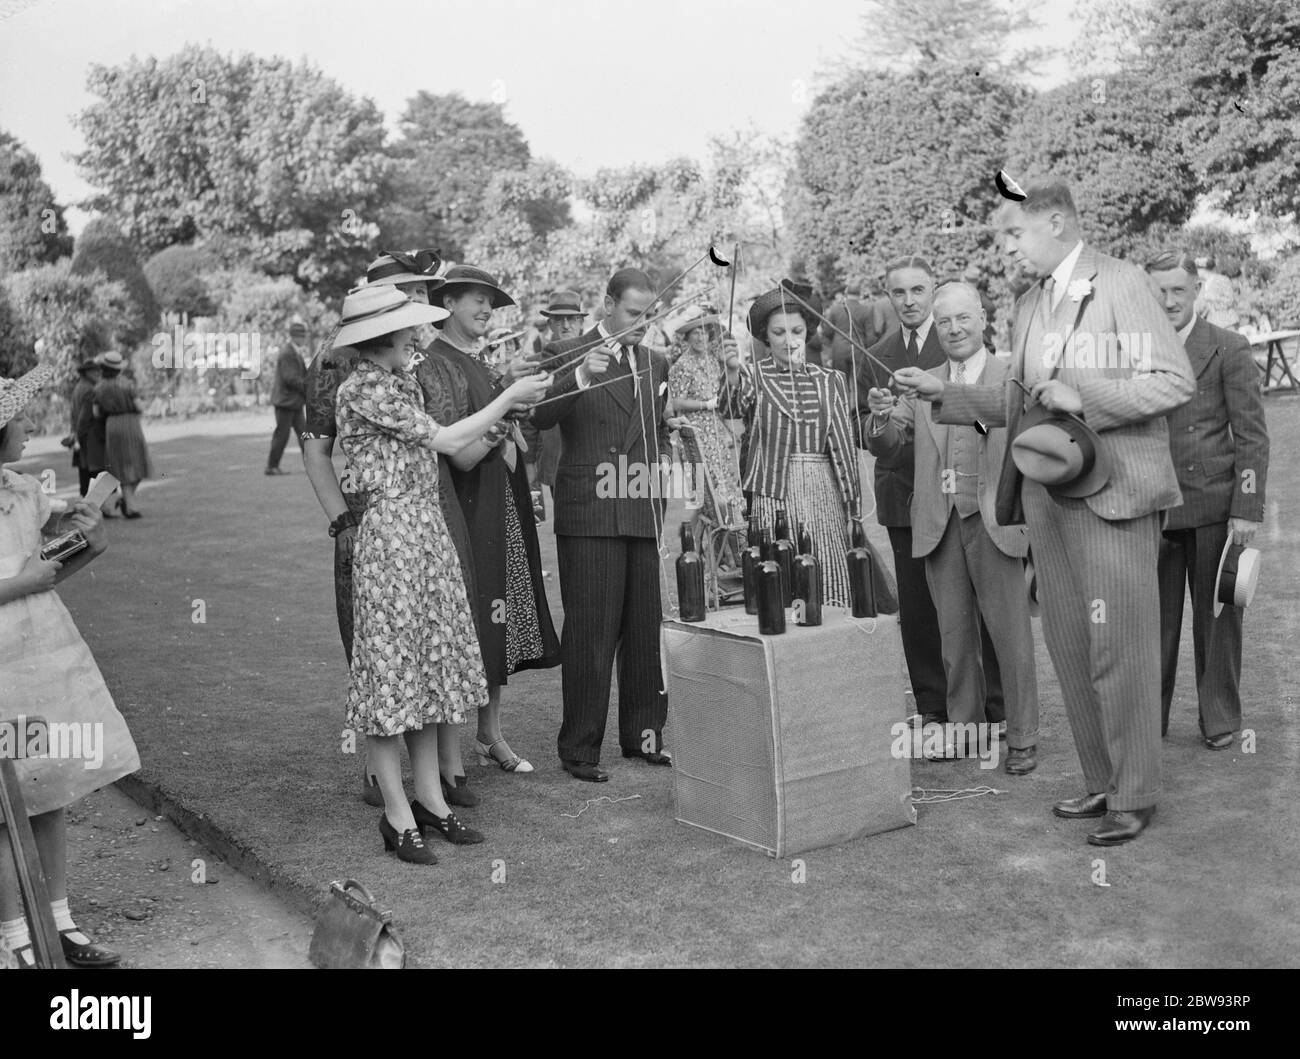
[
  {"x": 611, "y": 593},
  {"x": 1101, "y": 620}
]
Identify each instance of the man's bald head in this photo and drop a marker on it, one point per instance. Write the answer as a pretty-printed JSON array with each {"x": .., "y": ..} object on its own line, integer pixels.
[{"x": 959, "y": 320}]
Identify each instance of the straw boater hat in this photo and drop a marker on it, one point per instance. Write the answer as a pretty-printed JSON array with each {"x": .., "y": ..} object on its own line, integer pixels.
[
  {"x": 564, "y": 303},
  {"x": 111, "y": 359},
  {"x": 15, "y": 393},
  {"x": 1238, "y": 574},
  {"x": 1062, "y": 452},
  {"x": 374, "y": 311},
  {"x": 773, "y": 301},
  {"x": 394, "y": 267}
]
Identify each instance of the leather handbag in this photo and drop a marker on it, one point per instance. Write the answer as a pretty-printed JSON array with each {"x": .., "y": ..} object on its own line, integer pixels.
[{"x": 353, "y": 933}]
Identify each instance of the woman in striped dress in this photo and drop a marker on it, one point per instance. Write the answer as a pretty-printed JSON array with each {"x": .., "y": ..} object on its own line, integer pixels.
[{"x": 799, "y": 451}]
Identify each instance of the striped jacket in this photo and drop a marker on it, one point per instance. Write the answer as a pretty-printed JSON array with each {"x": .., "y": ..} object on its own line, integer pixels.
[{"x": 770, "y": 430}]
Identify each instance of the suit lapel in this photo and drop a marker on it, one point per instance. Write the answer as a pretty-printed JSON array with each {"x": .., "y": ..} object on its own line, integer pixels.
[
  {"x": 1069, "y": 312},
  {"x": 1200, "y": 347},
  {"x": 766, "y": 370},
  {"x": 635, "y": 408},
  {"x": 621, "y": 391},
  {"x": 939, "y": 431}
]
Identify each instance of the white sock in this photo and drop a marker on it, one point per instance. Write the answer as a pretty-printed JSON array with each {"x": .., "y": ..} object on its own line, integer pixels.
[
  {"x": 14, "y": 932},
  {"x": 63, "y": 921}
]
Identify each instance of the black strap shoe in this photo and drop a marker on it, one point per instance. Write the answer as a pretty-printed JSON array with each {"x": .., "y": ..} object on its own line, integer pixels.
[
  {"x": 1088, "y": 806},
  {"x": 449, "y": 827},
  {"x": 86, "y": 954},
  {"x": 582, "y": 770},
  {"x": 409, "y": 845}
]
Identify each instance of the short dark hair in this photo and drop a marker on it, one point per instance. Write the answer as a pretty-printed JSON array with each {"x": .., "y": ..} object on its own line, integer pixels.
[
  {"x": 626, "y": 279},
  {"x": 1049, "y": 193},
  {"x": 1167, "y": 260},
  {"x": 912, "y": 261}
]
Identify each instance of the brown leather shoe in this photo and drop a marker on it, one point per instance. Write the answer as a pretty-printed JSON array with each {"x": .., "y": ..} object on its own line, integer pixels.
[
  {"x": 1021, "y": 761},
  {"x": 1078, "y": 808},
  {"x": 1120, "y": 827}
]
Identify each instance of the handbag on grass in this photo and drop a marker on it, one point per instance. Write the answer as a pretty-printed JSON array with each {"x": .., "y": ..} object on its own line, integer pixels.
[{"x": 352, "y": 933}]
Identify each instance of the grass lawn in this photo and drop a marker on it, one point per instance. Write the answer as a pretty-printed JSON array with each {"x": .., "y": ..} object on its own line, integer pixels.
[{"x": 239, "y": 719}]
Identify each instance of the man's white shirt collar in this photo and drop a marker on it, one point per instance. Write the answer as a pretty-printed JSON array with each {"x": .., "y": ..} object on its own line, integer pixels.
[
  {"x": 1062, "y": 273},
  {"x": 1186, "y": 330},
  {"x": 974, "y": 366},
  {"x": 922, "y": 332}
]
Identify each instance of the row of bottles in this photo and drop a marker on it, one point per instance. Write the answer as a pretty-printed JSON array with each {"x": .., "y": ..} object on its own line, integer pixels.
[{"x": 776, "y": 576}]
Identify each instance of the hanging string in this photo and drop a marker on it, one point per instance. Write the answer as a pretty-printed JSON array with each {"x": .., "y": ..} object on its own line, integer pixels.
[
  {"x": 922, "y": 796},
  {"x": 595, "y": 801}
]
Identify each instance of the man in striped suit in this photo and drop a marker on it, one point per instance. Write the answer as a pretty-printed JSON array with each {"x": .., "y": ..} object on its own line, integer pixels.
[
  {"x": 610, "y": 395},
  {"x": 1090, "y": 339},
  {"x": 1220, "y": 450}
]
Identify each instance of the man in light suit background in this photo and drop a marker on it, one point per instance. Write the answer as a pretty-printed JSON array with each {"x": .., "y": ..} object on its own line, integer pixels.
[
  {"x": 909, "y": 281},
  {"x": 1090, "y": 339},
  {"x": 1219, "y": 443},
  {"x": 973, "y": 566},
  {"x": 611, "y": 393}
]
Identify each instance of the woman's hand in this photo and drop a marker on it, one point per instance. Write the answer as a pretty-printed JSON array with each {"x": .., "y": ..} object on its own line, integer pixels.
[
  {"x": 90, "y": 520},
  {"x": 37, "y": 575},
  {"x": 528, "y": 391}
]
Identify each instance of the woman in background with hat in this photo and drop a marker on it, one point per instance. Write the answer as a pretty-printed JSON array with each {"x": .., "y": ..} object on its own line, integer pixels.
[
  {"x": 47, "y": 672},
  {"x": 125, "y": 452},
  {"x": 800, "y": 452},
  {"x": 416, "y": 666},
  {"x": 87, "y": 431},
  {"x": 514, "y": 618},
  {"x": 695, "y": 383}
]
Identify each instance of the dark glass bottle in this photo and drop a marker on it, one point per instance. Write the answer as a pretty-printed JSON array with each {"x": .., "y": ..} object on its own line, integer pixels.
[
  {"x": 808, "y": 589},
  {"x": 750, "y": 559},
  {"x": 862, "y": 574},
  {"x": 805, "y": 540},
  {"x": 690, "y": 579},
  {"x": 771, "y": 607},
  {"x": 783, "y": 549}
]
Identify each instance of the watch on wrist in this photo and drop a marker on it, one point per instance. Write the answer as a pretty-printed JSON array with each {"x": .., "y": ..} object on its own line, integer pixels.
[{"x": 345, "y": 521}]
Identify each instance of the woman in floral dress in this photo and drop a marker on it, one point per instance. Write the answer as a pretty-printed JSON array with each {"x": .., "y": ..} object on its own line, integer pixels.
[
  {"x": 415, "y": 656},
  {"x": 695, "y": 383}
]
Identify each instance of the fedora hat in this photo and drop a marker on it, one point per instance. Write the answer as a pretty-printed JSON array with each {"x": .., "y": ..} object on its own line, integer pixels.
[
  {"x": 15, "y": 393},
  {"x": 460, "y": 278},
  {"x": 564, "y": 303},
  {"x": 1237, "y": 576},
  {"x": 1060, "y": 451},
  {"x": 111, "y": 359},
  {"x": 374, "y": 311}
]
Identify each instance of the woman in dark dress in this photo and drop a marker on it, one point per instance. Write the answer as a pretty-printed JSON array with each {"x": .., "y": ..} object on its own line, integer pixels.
[
  {"x": 125, "y": 453},
  {"x": 512, "y": 614}
]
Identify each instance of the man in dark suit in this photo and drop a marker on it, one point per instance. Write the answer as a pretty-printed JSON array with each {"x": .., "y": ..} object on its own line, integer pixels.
[
  {"x": 909, "y": 282},
  {"x": 611, "y": 393},
  {"x": 1219, "y": 444},
  {"x": 1089, "y": 340}
]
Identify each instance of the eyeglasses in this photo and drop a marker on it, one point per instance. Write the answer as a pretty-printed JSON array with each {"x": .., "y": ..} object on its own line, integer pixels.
[{"x": 421, "y": 262}]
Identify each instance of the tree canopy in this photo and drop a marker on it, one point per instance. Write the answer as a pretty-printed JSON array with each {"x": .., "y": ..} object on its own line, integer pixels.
[{"x": 32, "y": 227}]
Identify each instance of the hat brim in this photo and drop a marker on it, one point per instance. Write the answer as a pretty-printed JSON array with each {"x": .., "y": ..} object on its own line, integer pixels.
[
  {"x": 551, "y": 314},
  {"x": 1091, "y": 479},
  {"x": 18, "y": 394},
  {"x": 684, "y": 329},
  {"x": 500, "y": 299},
  {"x": 1243, "y": 589},
  {"x": 412, "y": 315},
  {"x": 402, "y": 279}
]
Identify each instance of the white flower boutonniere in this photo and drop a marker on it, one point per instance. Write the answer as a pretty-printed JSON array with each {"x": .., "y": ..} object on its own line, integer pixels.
[{"x": 1078, "y": 289}]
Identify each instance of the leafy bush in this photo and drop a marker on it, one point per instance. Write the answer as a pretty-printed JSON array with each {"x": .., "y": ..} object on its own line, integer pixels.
[
  {"x": 102, "y": 248},
  {"x": 179, "y": 278}
]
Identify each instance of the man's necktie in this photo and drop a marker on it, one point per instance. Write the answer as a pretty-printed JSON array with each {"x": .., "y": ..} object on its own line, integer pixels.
[
  {"x": 1049, "y": 286},
  {"x": 912, "y": 349},
  {"x": 959, "y": 373}
]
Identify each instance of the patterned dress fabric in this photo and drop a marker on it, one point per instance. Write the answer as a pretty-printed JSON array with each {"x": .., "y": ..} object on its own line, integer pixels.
[
  {"x": 49, "y": 676},
  {"x": 415, "y": 653},
  {"x": 698, "y": 377},
  {"x": 126, "y": 454}
]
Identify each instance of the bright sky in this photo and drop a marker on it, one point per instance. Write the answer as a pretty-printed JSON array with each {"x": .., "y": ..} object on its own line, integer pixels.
[{"x": 590, "y": 82}]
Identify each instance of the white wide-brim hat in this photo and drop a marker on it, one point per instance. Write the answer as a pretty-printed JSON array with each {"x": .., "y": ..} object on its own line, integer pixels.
[
  {"x": 1236, "y": 578},
  {"x": 380, "y": 310},
  {"x": 16, "y": 393}
]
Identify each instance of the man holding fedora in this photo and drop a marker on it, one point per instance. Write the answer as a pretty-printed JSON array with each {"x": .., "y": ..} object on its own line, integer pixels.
[
  {"x": 973, "y": 566},
  {"x": 609, "y": 399},
  {"x": 1096, "y": 367},
  {"x": 289, "y": 393},
  {"x": 1220, "y": 450}
]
